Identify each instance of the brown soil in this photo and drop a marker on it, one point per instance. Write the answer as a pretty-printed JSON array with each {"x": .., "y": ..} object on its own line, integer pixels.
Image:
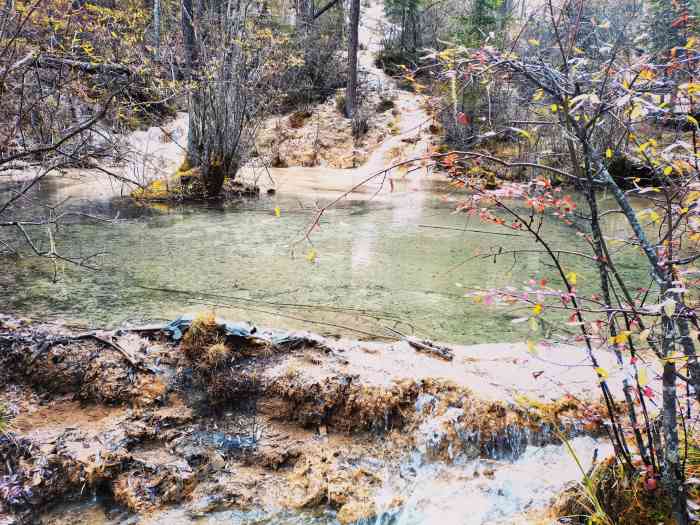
[
  {"x": 323, "y": 136},
  {"x": 257, "y": 425}
]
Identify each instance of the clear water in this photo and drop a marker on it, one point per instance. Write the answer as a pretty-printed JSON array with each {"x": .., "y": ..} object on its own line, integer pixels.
[
  {"x": 377, "y": 265},
  {"x": 478, "y": 492}
]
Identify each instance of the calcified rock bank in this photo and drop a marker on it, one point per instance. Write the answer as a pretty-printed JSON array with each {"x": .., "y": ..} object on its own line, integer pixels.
[{"x": 228, "y": 416}]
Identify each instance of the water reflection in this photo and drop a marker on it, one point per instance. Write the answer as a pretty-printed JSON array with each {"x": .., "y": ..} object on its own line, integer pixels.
[{"x": 376, "y": 265}]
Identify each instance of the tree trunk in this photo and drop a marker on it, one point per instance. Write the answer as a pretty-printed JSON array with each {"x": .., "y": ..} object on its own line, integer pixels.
[
  {"x": 190, "y": 44},
  {"x": 673, "y": 471},
  {"x": 156, "y": 28},
  {"x": 304, "y": 15},
  {"x": 351, "y": 92}
]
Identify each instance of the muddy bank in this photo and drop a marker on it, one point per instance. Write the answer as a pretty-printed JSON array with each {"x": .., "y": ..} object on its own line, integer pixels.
[{"x": 227, "y": 416}]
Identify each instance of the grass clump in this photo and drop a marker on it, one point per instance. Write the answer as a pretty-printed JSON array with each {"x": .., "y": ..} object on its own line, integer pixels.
[
  {"x": 216, "y": 355},
  {"x": 298, "y": 119},
  {"x": 203, "y": 342},
  {"x": 385, "y": 104},
  {"x": 4, "y": 418},
  {"x": 340, "y": 103},
  {"x": 607, "y": 496}
]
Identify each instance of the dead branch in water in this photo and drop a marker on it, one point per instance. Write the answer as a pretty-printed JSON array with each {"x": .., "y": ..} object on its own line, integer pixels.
[
  {"x": 106, "y": 338},
  {"x": 426, "y": 347}
]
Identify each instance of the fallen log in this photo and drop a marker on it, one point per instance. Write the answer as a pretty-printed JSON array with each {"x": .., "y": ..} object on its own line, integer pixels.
[
  {"x": 427, "y": 347},
  {"x": 85, "y": 67}
]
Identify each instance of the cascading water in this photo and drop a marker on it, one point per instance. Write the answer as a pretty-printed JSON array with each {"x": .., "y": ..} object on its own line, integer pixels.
[
  {"x": 521, "y": 473},
  {"x": 482, "y": 491}
]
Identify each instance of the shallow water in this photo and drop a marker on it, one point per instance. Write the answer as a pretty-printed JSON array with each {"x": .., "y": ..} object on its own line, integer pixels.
[
  {"x": 476, "y": 492},
  {"x": 377, "y": 265}
]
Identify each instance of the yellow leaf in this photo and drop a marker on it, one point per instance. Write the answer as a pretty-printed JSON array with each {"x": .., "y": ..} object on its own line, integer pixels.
[
  {"x": 539, "y": 95},
  {"x": 692, "y": 197},
  {"x": 311, "y": 255},
  {"x": 554, "y": 108},
  {"x": 620, "y": 339},
  {"x": 602, "y": 373},
  {"x": 668, "y": 170},
  {"x": 537, "y": 309},
  {"x": 677, "y": 358},
  {"x": 525, "y": 134},
  {"x": 692, "y": 120},
  {"x": 533, "y": 42},
  {"x": 656, "y": 219},
  {"x": 608, "y": 153},
  {"x": 642, "y": 377},
  {"x": 647, "y": 74},
  {"x": 533, "y": 324},
  {"x": 644, "y": 147},
  {"x": 278, "y": 212},
  {"x": 531, "y": 347},
  {"x": 637, "y": 111},
  {"x": 572, "y": 278},
  {"x": 669, "y": 307}
]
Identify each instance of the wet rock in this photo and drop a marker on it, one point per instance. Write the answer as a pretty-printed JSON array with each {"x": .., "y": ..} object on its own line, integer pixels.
[
  {"x": 196, "y": 455},
  {"x": 335, "y": 481},
  {"x": 205, "y": 505},
  {"x": 58, "y": 363},
  {"x": 234, "y": 444},
  {"x": 107, "y": 379},
  {"x": 274, "y": 456},
  {"x": 28, "y": 478},
  {"x": 357, "y": 512},
  {"x": 151, "y": 485},
  {"x": 223, "y": 494}
]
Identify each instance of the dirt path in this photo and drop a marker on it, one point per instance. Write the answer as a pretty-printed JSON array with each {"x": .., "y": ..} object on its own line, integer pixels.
[{"x": 410, "y": 141}]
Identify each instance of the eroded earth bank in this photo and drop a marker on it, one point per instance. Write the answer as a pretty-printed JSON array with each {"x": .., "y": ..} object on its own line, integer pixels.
[{"x": 214, "y": 422}]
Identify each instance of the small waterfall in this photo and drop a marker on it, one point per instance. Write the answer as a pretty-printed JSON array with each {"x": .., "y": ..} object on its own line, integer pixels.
[
  {"x": 483, "y": 491},
  {"x": 455, "y": 476}
]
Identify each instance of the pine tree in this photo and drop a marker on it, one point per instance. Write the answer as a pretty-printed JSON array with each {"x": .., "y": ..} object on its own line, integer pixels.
[{"x": 485, "y": 16}]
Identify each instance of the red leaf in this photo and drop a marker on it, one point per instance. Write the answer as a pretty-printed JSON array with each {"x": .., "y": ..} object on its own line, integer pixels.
[
  {"x": 648, "y": 392},
  {"x": 463, "y": 119}
]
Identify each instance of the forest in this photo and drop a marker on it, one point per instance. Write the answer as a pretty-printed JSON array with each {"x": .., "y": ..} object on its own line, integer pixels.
[{"x": 350, "y": 262}]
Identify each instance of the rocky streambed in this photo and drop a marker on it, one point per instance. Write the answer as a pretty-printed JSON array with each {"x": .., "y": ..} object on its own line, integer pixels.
[{"x": 233, "y": 424}]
